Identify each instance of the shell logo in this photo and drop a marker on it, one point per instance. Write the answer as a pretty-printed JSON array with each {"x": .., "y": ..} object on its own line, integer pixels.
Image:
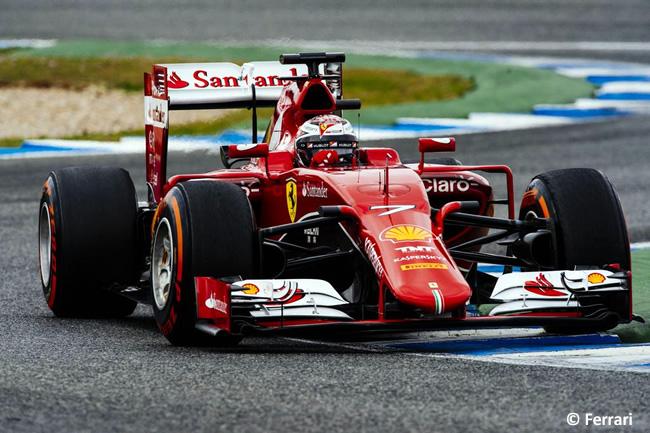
[
  {"x": 406, "y": 233},
  {"x": 595, "y": 278},
  {"x": 251, "y": 289}
]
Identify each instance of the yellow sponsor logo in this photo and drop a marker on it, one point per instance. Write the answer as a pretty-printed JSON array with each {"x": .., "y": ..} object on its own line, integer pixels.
[
  {"x": 433, "y": 285},
  {"x": 406, "y": 233},
  {"x": 251, "y": 289},
  {"x": 415, "y": 266},
  {"x": 292, "y": 198},
  {"x": 595, "y": 278}
]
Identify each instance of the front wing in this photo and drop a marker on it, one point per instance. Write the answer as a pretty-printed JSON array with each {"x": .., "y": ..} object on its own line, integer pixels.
[{"x": 312, "y": 307}]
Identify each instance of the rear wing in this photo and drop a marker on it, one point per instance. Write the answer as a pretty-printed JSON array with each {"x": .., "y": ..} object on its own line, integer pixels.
[
  {"x": 191, "y": 86},
  {"x": 226, "y": 85}
]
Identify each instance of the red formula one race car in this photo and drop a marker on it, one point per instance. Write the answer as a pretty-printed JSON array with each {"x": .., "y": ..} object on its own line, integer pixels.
[{"x": 314, "y": 234}]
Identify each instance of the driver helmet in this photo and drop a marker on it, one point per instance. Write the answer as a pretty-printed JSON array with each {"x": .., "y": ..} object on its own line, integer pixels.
[{"x": 325, "y": 132}]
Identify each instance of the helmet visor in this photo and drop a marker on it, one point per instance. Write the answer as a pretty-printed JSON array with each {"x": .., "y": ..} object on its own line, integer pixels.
[
  {"x": 324, "y": 141},
  {"x": 308, "y": 146}
]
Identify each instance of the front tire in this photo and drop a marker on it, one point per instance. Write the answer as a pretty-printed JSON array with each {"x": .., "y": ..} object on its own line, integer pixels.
[
  {"x": 203, "y": 228},
  {"x": 589, "y": 221},
  {"x": 589, "y": 225},
  {"x": 87, "y": 241}
]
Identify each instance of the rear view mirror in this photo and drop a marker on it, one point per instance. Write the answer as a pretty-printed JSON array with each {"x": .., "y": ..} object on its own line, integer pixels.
[
  {"x": 255, "y": 150},
  {"x": 427, "y": 145},
  {"x": 446, "y": 144}
]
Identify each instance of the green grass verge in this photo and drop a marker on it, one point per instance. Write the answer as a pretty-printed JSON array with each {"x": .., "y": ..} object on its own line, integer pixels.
[
  {"x": 641, "y": 278},
  {"x": 636, "y": 332},
  {"x": 75, "y": 73},
  {"x": 11, "y": 142},
  {"x": 498, "y": 88},
  {"x": 77, "y": 64},
  {"x": 375, "y": 87}
]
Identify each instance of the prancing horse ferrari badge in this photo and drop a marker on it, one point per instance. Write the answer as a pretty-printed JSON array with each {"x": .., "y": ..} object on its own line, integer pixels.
[{"x": 292, "y": 198}]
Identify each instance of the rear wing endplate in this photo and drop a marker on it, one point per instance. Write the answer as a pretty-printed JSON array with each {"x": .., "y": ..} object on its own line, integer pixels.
[{"x": 156, "y": 127}]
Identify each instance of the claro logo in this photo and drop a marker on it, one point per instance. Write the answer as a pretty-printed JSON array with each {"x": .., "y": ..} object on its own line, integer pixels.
[{"x": 447, "y": 185}]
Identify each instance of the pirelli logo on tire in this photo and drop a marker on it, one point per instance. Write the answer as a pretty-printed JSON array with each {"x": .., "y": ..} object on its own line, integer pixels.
[{"x": 416, "y": 266}]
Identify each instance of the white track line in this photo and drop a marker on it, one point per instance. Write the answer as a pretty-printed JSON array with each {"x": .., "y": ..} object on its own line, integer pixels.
[
  {"x": 627, "y": 358},
  {"x": 635, "y": 106},
  {"x": 27, "y": 43},
  {"x": 625, "y": 87},
  {"x": 551, "y": 360}
]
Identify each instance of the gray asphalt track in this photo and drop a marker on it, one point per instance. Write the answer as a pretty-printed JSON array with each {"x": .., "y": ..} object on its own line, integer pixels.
[
  {"x": 85, "y": 375},
  {"x": 118, "y": 376},
  {"x": 408, "y": 20}
]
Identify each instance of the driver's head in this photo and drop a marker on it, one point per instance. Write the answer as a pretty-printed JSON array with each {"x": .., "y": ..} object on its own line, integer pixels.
[{"x": 325, "y": 132}]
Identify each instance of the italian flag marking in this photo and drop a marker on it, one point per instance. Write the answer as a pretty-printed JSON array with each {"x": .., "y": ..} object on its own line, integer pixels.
[{"x": 440, "y": 301}]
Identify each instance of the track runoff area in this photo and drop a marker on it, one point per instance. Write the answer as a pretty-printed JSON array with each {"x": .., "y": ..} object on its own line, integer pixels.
[{"x": 624, "y": 89}]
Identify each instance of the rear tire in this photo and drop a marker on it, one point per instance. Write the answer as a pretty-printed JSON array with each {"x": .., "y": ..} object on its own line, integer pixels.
[
  {"x": 589, "y": 223},
  {"x": 203, "y": 228},
  {"x": 87, "y": 241}
]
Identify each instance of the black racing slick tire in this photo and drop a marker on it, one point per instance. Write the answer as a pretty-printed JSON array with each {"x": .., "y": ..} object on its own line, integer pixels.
[
  {"x": 589, "y": 221},
  {"x": 202, "y": 228},
  {"x": 590, "y": 227},
  {"x": 87, "y": 241}
]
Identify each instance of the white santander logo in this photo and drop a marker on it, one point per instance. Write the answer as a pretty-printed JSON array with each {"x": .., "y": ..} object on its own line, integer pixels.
[{"x": 217, "y": 304}]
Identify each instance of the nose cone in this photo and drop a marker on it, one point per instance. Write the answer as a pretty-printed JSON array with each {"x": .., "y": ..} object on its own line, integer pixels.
[
  {"x": 401, "y": 242},
  {"x": 423, "y": 275},
  {"x": 432, "y": 296}
]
